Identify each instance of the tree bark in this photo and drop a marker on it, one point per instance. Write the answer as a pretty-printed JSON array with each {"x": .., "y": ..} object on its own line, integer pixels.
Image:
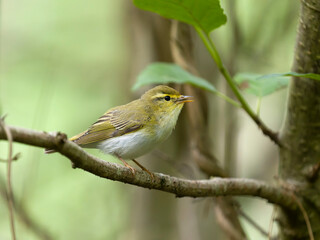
[
  {"x": 299, "y": 157},
  {"x": 215, "y": 187}
]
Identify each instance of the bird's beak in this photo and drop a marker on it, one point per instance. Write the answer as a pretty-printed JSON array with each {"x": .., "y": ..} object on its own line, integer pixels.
[{"x": 184, "y": 99}]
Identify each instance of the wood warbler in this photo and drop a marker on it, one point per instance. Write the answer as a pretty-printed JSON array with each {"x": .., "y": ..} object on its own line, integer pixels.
[{"x": 129, "y": 131}]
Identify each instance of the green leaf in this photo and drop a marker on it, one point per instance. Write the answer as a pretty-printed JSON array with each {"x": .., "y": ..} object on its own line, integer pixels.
[
  {"x": 204, "y": 14},
  {"x": 313, "y": 76},
  {"x": 162, "y": 73},
  {"x": 259, "y": 85},
  {"x": 262, "y": 85}
]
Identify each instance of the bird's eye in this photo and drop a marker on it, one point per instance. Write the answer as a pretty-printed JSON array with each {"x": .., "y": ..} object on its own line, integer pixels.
[{"x": 167, "y": 98}]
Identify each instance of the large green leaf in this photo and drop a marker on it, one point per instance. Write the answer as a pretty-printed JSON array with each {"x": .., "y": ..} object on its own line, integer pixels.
[
  {"x": 260, "y": 85},
  {"x": 162, "y": 73},
  {"x": 313, "y": 76},
  {"x": 204, "y": 14}
]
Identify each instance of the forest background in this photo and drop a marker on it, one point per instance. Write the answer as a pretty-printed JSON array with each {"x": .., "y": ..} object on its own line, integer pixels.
[{"x": 64, "y": 64}]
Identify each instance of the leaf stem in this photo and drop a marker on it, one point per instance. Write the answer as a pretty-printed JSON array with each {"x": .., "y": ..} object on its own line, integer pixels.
[
  {"x": 216, "y": 57},
  {"x": 228, "y": 99},
  {"x": 258, "y": 106}
]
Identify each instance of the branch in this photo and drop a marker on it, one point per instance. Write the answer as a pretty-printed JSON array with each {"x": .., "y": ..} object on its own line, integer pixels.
[
  {"x": 180, "y": 187},
  {"x": 23, "y": 215},
  {"x": 216, "y": 57},
  {"x": 8, "y": 136}
]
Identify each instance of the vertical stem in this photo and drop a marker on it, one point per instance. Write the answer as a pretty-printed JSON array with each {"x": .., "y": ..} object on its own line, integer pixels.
[
  {"x": 9, "y": 137},
  {"x": 9, "y": 185},
  {"x": 258, "y": 106},
  {"x": 230, "y": 113},
  {"x": 215, "y": 55}
]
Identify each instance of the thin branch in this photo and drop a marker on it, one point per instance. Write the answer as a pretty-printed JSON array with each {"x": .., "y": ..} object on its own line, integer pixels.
[
  {"x": 14, "y": 158},
  {"x": 8, "y": 135},
  {"x": 23, "y": 215},
  {"x": 252, "y": 222},
  {"x": 216, "y": 57},
  {"x": 273, "y": 215},
  {"x": 305, "y": 216},
  {"x": 228, "y": 99},
  {"x": 225, "y": 216},
  {"x": 179, "y": 187}
]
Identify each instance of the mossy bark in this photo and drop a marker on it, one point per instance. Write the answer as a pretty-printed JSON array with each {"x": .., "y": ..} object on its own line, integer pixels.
[{"x": 300, "y": 155}]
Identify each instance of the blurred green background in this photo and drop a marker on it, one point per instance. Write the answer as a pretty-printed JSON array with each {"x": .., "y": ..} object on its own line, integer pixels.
[{"x": 64, "y": 63}]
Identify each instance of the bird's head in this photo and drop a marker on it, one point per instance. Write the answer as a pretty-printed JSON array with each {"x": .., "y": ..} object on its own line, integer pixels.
[
  {"x": 165, "y": 99},
  {"x": 165, "y": 103}
]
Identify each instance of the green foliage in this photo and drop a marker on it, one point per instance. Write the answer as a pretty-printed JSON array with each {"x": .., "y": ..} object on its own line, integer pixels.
[
  {"x": 162, "y": 73},
  {"x": 313, "y": 76},
  {"x": 258, "y": 85},
  {"x": 262, "y": 85},
  {"x": 203, "y": 14}
]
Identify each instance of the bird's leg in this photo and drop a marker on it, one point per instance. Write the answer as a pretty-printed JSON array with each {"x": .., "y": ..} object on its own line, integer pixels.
[
  {"x": 143, "y": 168},
  {"x": 127, "y": 165}
]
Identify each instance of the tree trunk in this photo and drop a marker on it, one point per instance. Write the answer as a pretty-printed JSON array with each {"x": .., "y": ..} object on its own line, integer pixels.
[{"x": 299, "y": 158}]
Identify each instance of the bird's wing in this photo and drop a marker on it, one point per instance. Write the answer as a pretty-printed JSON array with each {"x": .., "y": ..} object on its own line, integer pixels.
[{"x": 115, "y": 122}]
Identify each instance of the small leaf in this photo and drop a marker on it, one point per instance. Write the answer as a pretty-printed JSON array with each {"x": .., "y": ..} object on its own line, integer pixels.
[
  {"x": 313, "y": 76},
  {"x": 162, "y": 73},
  {"x": 260, "y": 86},
  {"x": 204, "y": 14}
]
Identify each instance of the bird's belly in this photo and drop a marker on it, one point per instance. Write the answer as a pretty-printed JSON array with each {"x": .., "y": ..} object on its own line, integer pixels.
[{"x": 128, "y": 146}]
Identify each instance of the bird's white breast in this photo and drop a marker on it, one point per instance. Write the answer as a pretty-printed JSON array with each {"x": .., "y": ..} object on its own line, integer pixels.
[{"x": 128, "y": 146}]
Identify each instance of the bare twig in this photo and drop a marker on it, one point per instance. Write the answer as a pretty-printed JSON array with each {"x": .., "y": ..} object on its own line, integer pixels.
[
  {"x": 8, "y": 136},
  {"x": 305, "y": 216},
  {"x": 23, "y": 215},
  {"x": 14, "y": 158},
  {"x": 179, "y": 187},
  {"x": 226, "y": 217},
  {"x": 231, "y": 117},
  {"x": 252, "y": 222},
  {"x": 274, "y": 212}
]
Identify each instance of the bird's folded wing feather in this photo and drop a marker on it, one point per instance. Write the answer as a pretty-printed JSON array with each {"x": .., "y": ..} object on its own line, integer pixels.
[{"x": 113, "y": 123}]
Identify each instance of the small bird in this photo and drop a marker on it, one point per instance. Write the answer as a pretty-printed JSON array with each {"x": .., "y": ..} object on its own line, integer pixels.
[{"x": 131, "y": 130}]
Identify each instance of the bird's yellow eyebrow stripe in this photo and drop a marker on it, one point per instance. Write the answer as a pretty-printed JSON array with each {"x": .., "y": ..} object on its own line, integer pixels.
[{"x": 162, "y": 95}]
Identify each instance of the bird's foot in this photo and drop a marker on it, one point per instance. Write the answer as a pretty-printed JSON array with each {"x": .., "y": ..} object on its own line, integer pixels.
[
  {"x": 128, "y": 166},
  {"x": 143, "y": 168}
]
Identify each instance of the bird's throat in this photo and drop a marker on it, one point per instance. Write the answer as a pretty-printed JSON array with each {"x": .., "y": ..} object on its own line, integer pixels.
[{"x": 167, "y": 122}]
